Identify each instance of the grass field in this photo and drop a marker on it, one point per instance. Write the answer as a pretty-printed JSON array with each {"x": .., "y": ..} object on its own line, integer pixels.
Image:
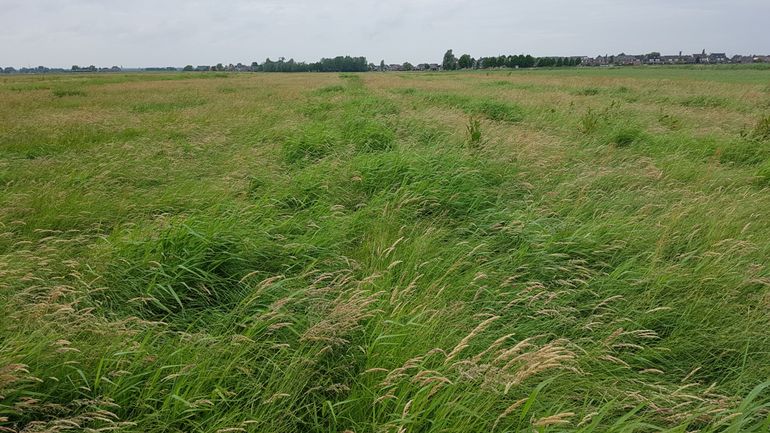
[{"x": 552, "y": 251}]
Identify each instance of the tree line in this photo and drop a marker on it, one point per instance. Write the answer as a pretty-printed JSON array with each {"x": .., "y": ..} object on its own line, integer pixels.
[
  {"x": 336, "y": 64},
  {"x": 465, "y": 61}
]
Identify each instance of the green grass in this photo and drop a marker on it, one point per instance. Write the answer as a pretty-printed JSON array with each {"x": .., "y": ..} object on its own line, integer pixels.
[
  {"x": 60, "y": 93},
  {"x": 544, "y": 251}
]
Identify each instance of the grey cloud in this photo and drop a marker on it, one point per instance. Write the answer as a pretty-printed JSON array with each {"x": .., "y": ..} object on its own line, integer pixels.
[{"x": 178, "y": 32}]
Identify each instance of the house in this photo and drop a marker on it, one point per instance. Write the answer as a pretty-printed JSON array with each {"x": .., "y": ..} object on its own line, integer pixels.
[
  {"x": 653, "y": 58},
  {"x": 671, "y": 60},
  {"x": 626, "y": 60},
  {"x": 742, "y": 59},
  {"x": 700, "y": 58},
  {"x": 595, "y": 61},
  {"x": 395, "y": 67},
  {"x": 718, "y": 58}
]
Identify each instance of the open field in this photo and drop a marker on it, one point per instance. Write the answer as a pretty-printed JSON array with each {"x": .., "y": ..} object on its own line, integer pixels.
[{"x": 567, "y": 250}]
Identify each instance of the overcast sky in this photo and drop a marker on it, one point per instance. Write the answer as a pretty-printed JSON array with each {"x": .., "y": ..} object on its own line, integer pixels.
[{"x": 179, "y": 32}]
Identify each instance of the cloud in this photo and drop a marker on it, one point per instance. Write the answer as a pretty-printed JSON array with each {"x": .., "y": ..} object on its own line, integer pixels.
[{"x": 177, "y": 32}]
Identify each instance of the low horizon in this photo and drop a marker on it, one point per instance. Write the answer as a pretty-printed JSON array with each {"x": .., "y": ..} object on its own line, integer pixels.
[{"x": 372, "y": 60}]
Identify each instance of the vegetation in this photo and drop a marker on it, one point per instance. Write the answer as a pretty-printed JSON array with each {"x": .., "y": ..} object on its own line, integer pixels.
[
  {"x": 465, "y": 61},
  {"x": 556, "y": 250},
  {"x": 337, "y": 64}
]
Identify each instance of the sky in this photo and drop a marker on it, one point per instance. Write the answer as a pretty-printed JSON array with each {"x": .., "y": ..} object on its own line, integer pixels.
[{"x": 143, "y": 33}]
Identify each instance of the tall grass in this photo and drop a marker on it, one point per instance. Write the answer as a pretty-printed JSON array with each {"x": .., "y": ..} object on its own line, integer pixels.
[{"x": 320, "y": 253}]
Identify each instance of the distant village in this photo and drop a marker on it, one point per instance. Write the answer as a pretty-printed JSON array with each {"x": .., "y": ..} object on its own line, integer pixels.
[
  {"x": 655, "y": 58},
  {"x": 622, "y": 59}
]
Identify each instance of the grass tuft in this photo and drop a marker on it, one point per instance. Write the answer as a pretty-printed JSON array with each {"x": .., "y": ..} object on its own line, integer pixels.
[
  {"x": 626, "y": 135},
  {"x": 761, "y": 130},
  {"x": 588, "y": 91},
  {"x": 311, "y": 143},
  {"x": 704, "y": 101},
  {"x": 589, "y": 122},
  {"x": 473, "y": 130},
  {"x": 61, "y": 93}
]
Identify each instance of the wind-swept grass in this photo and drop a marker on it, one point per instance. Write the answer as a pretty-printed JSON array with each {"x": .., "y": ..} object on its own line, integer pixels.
[{"x": 351, "y": 253}]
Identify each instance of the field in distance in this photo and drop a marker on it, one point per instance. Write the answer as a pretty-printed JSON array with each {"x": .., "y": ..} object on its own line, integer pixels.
[{"x": 580, "y": 250}]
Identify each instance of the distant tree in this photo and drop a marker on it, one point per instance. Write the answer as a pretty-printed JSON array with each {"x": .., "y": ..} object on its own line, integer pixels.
[
  {"x": 465, "y": 61},
  {"x": 220, "y": 67},
  {"x": 529, "y": 61},
  {"x": 382, "y": 65},
  {"x": 268, "y": 66},
  {"x": 188, "y": 68},
  {"x": 407, "y": 66},
  {"x": 75, "y": 67},
  {"x": 254, "y": 66},
  {"x": 337, "y": 64},
  {"x": 450, "y": 61}
]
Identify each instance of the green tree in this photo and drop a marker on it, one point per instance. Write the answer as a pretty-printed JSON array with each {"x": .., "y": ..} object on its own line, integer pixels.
[
  {"x": 465, "y": 61},
  {"x": 450, "y": 61},
  {"x": 188, "y": 68},
  {"x": 407, "y": 66}
]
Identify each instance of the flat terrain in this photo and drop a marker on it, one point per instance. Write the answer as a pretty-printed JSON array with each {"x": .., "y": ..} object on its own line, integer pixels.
[{"x": 566, "y": 250}]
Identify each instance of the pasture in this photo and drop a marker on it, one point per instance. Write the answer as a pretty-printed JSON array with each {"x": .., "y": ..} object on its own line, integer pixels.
[{"x": 578, "y": 250}]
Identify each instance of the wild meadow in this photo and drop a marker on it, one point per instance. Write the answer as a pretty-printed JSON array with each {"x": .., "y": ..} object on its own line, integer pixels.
[{"x": 577, "y": 250}]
